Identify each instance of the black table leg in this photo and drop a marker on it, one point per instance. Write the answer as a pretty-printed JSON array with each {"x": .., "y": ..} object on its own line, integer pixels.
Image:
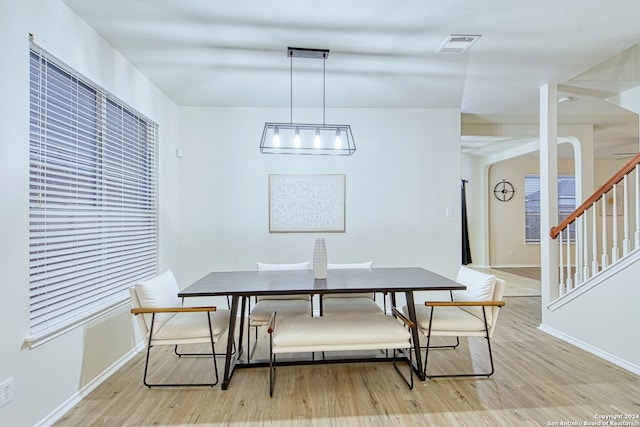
[
  {"x": 228, "y": 361},
  {"x": 243, "y": 307},
  {"x": 416, "y": 338}
]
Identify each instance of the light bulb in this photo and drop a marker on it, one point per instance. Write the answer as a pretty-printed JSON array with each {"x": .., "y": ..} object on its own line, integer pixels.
[
  {"x": 276, "y": 137},
  {"x": 296, "y": 139},
  {"x": 338, "y": 142},
  {"x": 317, "y": 142}
]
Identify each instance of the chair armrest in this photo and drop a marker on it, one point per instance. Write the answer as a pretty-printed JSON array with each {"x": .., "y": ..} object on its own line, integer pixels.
[
  {"x": 402, "y": 317},
  {"x": 272, "y": 323},
  {"x": 144, "y": 310},
  {"x": 464, "y": 303}
]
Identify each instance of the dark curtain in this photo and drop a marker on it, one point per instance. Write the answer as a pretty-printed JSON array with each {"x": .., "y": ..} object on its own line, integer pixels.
[{"x": 466, "y": 250}]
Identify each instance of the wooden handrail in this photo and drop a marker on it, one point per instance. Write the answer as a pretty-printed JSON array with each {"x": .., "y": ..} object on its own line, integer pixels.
[{"x": 604, "y": 189}]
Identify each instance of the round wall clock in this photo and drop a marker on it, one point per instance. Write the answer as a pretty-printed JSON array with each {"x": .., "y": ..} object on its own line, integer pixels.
[{"x": 504, "y": 191}]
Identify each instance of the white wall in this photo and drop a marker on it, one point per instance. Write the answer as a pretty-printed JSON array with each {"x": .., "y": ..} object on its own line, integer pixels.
[
  {"x": 213, "y": 202},
  {"x": 47, "y": 376},
  {"x": 506, "y": 219},
  {"x": 604, "y": 320},
  {"x": 404, "y": 174}
]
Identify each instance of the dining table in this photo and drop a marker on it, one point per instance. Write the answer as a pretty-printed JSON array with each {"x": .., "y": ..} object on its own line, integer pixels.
[{"x": 240, "y": 285}]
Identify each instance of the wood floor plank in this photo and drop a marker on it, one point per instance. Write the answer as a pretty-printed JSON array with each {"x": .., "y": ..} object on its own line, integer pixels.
[{"x": 539, "y": 380}]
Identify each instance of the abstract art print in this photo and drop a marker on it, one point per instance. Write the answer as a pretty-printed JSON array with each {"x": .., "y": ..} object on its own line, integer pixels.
[{"x": 306, "y": 203}]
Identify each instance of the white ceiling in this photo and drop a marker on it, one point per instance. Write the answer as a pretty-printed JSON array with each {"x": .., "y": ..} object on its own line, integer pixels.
[{"x": 382, "y": 54}]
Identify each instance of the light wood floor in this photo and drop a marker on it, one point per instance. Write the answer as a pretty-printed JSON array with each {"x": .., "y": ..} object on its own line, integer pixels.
[
  {"x": 539, "y": 380},
  {"x": 521, "y": 281}
]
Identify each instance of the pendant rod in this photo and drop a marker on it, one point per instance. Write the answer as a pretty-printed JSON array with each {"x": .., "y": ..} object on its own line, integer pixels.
[
  {"x": 291, "y": 91},
  {"x": 324, "y": 90}
]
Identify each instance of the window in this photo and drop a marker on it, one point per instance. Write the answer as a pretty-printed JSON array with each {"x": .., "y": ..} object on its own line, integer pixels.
[
  {"x": 566, "y": 204},
  {"x": 92, "y": 199}
]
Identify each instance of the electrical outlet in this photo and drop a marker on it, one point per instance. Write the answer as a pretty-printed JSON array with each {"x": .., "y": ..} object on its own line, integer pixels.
[{"x": 6, "y": 392}]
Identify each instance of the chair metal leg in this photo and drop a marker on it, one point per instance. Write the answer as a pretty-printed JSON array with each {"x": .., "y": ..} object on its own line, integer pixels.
[
  {"x": 410, "y": 364},
  {"x": 272, "y": 367},
  {"x": 453, "y": 346},
  {"x": 212, "y": 354},
  {"x": 177, "y": 353},
  {"x": 255, "y": 343},
  {"x": 426, "y": 355}
]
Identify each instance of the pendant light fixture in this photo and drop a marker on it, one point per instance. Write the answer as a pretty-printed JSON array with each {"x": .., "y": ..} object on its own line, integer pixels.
[{"x": 307, "y": 138}]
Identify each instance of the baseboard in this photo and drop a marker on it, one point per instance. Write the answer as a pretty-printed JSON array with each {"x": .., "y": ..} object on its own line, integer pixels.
[
  {"x": 591, "y": 349},
  {"x": 61, "y": 410}
]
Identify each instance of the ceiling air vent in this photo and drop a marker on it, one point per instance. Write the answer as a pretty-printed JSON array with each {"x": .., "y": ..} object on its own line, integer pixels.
[{"x": 458, "y": 43}]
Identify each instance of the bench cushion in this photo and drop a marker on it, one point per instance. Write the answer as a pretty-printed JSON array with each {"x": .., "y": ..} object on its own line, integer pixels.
[{"x": 355, "y": 332}]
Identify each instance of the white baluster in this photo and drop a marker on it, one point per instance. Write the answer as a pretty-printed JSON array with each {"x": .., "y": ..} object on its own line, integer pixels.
[
  {"x": 625, "y": 218},
  {"x": 560, "y": 252},
  {"x": 594, "y": 248},
  {"x": 569, "y": 279},
  {"x": 577, "y": 278},
  {"x": 605, "y": 257},
  {"x": 585, "y": 247},
  {"x": 637, "y": 207},
  {"x": 614, "y": 229}
]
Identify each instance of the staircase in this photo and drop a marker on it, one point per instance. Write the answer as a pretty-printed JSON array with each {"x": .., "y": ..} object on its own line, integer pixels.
[
  {"x": 598, "y": 281},
  {"x": 600, "y": 237}
]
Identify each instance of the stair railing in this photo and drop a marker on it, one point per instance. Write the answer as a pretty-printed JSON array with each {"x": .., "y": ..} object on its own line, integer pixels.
[{"x": 601, "y": 231}]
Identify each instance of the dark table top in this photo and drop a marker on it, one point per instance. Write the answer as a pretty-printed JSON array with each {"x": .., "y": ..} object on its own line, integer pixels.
[{"x": 402, "y": 279}]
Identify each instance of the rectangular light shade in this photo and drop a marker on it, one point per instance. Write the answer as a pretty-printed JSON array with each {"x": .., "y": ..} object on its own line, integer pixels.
[{"x": 306, "y": 138}]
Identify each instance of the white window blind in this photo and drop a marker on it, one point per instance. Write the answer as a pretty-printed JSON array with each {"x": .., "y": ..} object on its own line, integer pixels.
[
  {"x": 566, "y": 204},
  {"x": 92, "y": 200}
]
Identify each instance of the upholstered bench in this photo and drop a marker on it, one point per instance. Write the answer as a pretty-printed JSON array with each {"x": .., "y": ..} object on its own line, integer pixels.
[{"x": 340, "y": 333}]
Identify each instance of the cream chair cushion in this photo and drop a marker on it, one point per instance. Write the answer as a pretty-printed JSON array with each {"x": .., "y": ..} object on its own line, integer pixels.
[
  {"x": 352, "y": 302},
  {"x": 263, "y": 266},
  {"x": 480, "y": 287},
  {"x": 456, "y": 319},
  {"x": 160, "y": 291},
  {"x": 285, "y": 306},
  {"x": 448, "y": 321},
  {"x": 193, "y": 327},
  {"x": 293, "y": 305},
  {"x": 356, "y": 265}
]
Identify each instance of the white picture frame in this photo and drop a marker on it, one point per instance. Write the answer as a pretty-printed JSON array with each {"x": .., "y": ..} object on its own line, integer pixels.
[{"x": 307, "y": 203}]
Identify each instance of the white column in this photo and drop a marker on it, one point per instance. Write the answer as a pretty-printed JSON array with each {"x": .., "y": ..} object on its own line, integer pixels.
[{"x": 548, "y": 191}]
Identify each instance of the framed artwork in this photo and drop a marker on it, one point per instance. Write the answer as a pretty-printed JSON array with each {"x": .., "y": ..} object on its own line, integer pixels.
[{"x": 306, "y": 203}]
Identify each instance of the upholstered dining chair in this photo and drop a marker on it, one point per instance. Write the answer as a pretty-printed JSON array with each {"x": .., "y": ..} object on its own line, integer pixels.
[
  {"x": 163, "y": 320},
  {"x": 286, "y": 305},
  {"x": 350, "y": 303},
  {"x": 470, "y": 313}
]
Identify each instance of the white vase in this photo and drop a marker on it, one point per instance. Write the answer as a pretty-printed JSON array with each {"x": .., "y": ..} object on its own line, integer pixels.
[{"x": 320, "y": 259}]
